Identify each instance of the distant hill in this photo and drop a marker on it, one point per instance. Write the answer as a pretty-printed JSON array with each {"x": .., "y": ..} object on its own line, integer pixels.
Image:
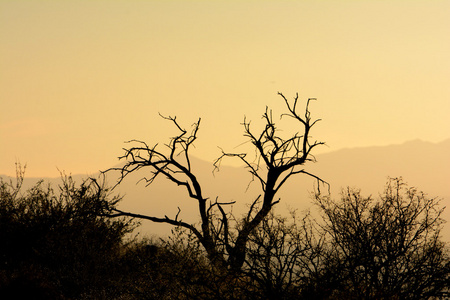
[{"x": 422, "y": 164}]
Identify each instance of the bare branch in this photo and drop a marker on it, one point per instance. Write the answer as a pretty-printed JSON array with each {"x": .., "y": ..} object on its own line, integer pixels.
[
  {"x": 276, "y": 160},
  {"x": 280, "y": 158},
  {"x": 175, "y": 222}
]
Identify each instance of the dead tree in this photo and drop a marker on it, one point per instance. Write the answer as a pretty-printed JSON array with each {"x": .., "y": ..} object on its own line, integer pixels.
[{"x": 277, "y": 160}]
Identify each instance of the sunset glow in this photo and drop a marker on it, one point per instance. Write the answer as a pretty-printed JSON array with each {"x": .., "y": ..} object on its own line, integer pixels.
[{"x": 78, "y": 78}]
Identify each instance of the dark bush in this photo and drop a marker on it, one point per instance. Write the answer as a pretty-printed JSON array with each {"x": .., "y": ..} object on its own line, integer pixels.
[
  {"x": 390, "y": 248},
  {"x": 59, "y": 242}
]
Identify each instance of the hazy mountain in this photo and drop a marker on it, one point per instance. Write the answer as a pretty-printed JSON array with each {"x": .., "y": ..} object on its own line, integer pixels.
[{"x": 422, "y": 164}]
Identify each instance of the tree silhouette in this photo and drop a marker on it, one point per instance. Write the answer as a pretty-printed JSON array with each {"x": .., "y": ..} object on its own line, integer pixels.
[
  {"x": 277, "y": 160},
  {"x": 361, "y": 248},
  {"x": 389, "y": 248},
  {"x": 284, "y": 255}
]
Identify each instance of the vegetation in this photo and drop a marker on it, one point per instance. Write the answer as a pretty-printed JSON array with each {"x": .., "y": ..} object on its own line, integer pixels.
[
  {"x": 75, "y": 243},
  {"x": 57, "y": 245},
  {"x": 63, "y": 246},
  {"x": 277, "y": 160},
  {"x": 386, "y": 249}
]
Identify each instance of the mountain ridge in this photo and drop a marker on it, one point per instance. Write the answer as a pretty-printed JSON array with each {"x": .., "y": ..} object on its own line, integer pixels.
[{"x": 422, "y": 164}]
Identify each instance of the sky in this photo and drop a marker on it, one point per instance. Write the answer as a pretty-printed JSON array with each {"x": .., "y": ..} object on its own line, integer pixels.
[{"x": 79, "y": 78}]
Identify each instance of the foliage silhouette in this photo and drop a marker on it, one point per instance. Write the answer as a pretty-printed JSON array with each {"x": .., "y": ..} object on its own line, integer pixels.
[
  {"x": 63, "y": 246},
  {"x": 361, "y": 248},
  {"x": 386, "y": 249},
  {"x": 58, "y": 243}
]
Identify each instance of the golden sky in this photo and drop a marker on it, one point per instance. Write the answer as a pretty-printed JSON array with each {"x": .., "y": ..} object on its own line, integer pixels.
[{"x": 78, "y": 78}]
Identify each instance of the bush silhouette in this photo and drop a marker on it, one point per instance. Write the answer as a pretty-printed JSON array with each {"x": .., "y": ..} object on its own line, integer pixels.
[{"x": 58, "y": 242}]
